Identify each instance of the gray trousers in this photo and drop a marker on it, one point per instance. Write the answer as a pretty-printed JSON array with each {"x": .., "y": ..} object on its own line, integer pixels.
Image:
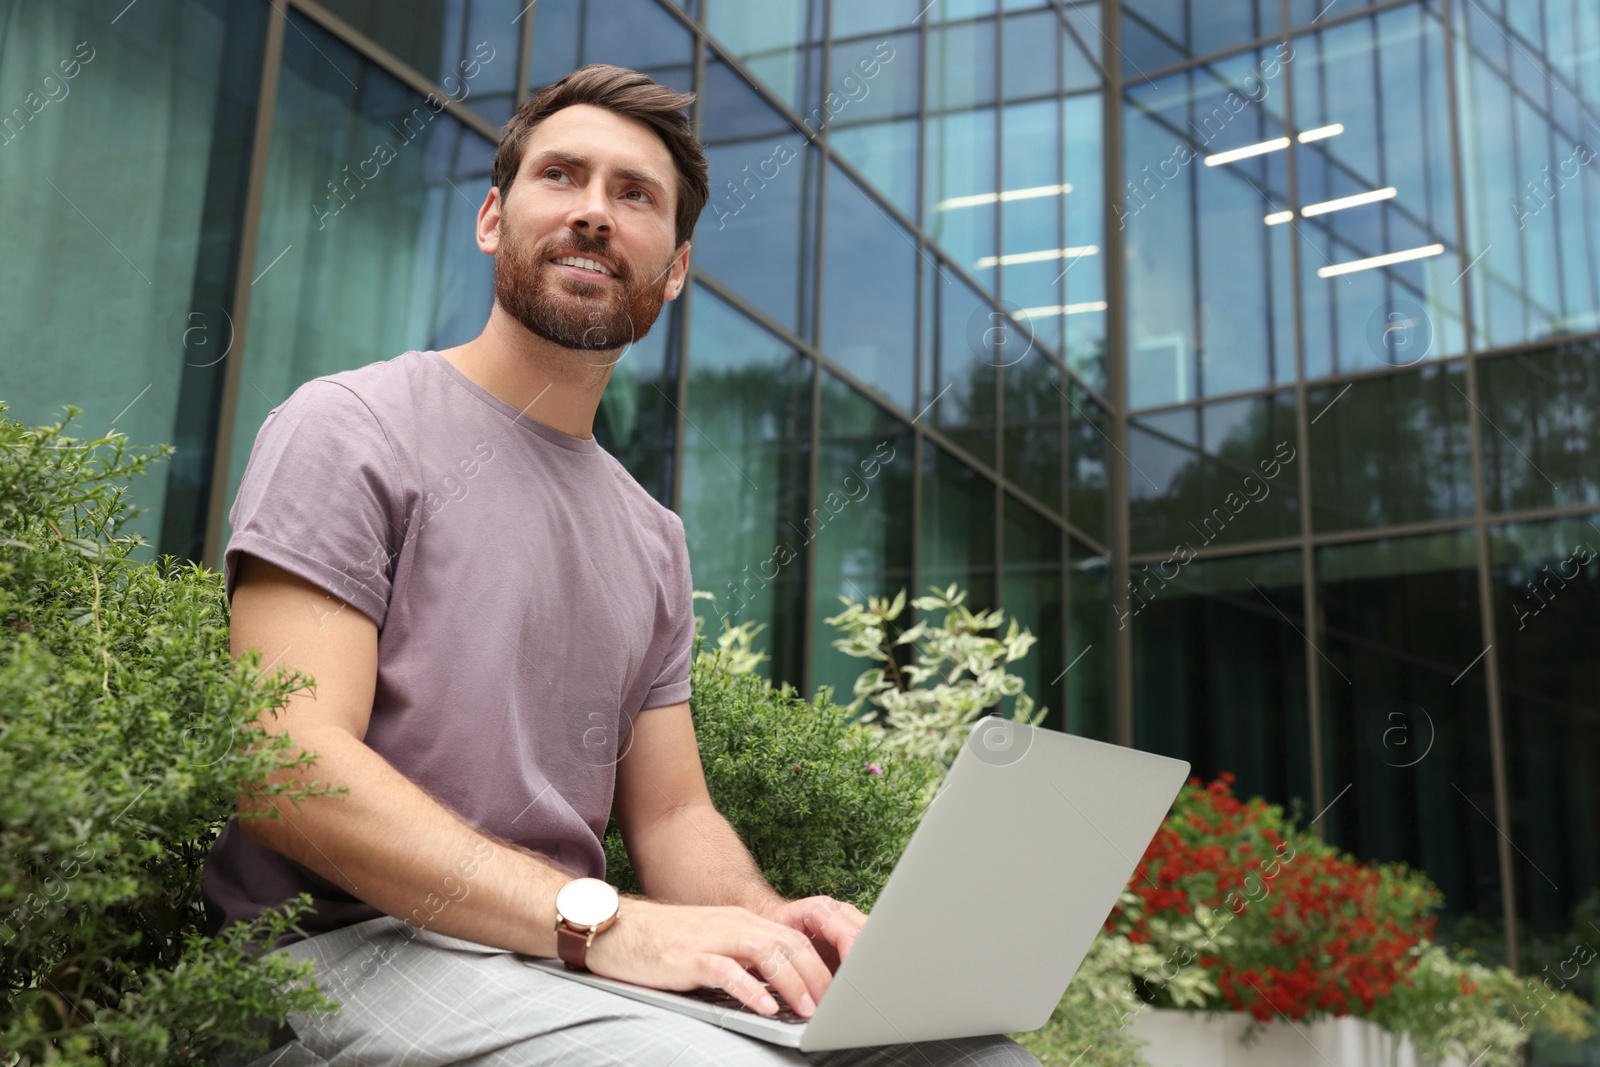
[{"x": 412, "y": 997}]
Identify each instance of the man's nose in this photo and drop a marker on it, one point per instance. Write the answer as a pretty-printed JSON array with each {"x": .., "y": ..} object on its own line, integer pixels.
[{"x": 592, "y": 213}]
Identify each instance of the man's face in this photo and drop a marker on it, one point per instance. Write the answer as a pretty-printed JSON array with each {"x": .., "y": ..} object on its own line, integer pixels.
[{"x": 584, "y": 243}]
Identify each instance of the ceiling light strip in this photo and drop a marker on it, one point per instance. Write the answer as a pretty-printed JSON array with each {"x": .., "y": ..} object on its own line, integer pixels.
[{"x": 1409, "y": 254}]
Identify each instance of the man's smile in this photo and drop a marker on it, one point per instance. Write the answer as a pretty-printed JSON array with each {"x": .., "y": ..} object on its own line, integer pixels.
[{"x": 585, "y": 265}]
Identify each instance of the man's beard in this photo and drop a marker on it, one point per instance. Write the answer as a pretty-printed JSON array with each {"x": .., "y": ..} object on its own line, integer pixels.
[{"x": 571, "y": 313}]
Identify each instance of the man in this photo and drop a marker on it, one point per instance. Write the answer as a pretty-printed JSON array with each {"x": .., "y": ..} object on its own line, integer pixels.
[{"x": 488, "y": 604}]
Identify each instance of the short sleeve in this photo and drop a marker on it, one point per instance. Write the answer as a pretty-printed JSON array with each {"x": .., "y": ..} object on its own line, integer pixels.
[
  {"x": 322, "y": 498},
  {"x": 671, "y": 685}
]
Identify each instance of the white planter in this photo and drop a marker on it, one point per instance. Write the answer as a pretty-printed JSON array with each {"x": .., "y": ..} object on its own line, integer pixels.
[{"x": 1211, "y": 1039}]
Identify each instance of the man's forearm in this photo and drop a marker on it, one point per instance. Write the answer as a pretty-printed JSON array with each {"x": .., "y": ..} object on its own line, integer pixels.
[
  {"x": 390, "y": 844},
  {"x": 693, "y": 856}
]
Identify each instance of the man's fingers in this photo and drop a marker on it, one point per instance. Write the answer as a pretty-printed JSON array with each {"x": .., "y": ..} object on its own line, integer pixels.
[
  {"x": 726, "y": 974},
  {"x": 836, "y": 922},
  {"x": 792, "y": 966}
]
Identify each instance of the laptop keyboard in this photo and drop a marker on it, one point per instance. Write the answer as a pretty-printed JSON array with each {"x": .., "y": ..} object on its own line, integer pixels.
[{"x": 721, "y": 998}]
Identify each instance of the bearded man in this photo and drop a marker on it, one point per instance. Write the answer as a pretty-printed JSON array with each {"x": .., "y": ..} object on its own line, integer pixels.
[{"x": 489, "y": 604}]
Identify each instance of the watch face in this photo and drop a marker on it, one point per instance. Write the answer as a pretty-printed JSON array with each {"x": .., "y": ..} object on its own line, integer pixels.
[{"x": 587, "y": 902}]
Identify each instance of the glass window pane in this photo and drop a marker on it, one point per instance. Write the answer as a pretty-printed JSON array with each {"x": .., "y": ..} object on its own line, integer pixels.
[
  {"x": 1405, "y": 719},
  {"x": 469, "y": 47},
  {"x": 1088, "y": 441},
  {"x": 763, "y": 194},
  {"x": 745, "y": 463},
  {"x": 568, "y": 34},
  {"x": 385, "y": 259},
  {"x": 1220, "y": 474},
  {"x": 1372, "y": 110},
  {"x": 1547, "y": 596},
  {"x": 1030, "y": 41},
  {"x": 962, "y": 374},
  {"x": 1031, "y": 595},
  {"x": 1088, "y": 644},
  {"x": 880, "y": 17},
  {"x": 961, "y": 197},
  {"x": 865, "y": 463},
  {"x": 1191, "y": 28},
  {"x": 1034, "y": 390},
  {"x": 872, "y": 116},
  {"x": 958, "y": 528},
  {"x": 869, "y": 291},
  {"x": 636, "y": 421},
  {"x": 1390, "y": 450},
  {"x": 1538, "y": 427},
  {"x": 1083, "y": 295},
  {"x": 1219, "y": 669},
  {"x": 104, "y": 162},
  {"x": 961, "y": 62},
  {"x": 1032, "y": 261},
  {"x": 1204, "y": 162},
  {"x": 778, "y": 43}
]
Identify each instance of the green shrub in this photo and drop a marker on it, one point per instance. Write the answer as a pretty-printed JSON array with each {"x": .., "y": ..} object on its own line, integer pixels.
[
  {"x": 125, "y": 730},
  {"x": 818, "y": 799}
]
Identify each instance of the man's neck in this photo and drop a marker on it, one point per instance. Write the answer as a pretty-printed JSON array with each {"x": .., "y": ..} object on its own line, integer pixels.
[{"x": 557, "y": 386}]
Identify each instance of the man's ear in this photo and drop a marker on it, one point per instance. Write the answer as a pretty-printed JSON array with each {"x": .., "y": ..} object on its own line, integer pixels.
[
  {"x": 677, "y": 272},
  {"x": 489, "y": 222}
]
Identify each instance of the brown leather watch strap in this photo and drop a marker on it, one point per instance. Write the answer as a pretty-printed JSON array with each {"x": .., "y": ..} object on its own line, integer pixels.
[{"x": 572, "y": 946}]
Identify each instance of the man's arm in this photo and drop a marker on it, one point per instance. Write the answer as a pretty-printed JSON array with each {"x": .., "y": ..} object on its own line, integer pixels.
[
  {"x": 392, "y": 845},
  {"x": 385, "y": 840},
  {"x": 682, "y": 848},
  {"x": 685, "y": 851}
]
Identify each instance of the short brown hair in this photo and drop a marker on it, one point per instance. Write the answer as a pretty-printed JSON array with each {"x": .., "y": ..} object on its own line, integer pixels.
[{"x": 628, "y": 93}]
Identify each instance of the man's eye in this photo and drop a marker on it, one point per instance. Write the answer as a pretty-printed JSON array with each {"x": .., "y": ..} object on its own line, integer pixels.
[
  {"x": 554, "y": 172},
  {"x": 637, "y": 194}
]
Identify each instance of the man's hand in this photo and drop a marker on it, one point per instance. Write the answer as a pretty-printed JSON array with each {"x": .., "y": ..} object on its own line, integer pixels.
[
  {"x": 683, "y": 946},
  {"x": 832, "y": 925}
]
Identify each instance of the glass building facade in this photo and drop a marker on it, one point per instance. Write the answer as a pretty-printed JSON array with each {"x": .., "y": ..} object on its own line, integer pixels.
[{"x": 1247, "y": 353}]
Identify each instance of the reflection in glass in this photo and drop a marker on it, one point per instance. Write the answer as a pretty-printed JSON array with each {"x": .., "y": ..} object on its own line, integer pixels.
[
  {"x": 1158, "y": 33},
  {"x": 1405, "y": 720},
  {"x": 1529, "y": 175},
  {"x": 1088, "y": 644},
  {"x": 1546, "y": 582},
  {"x": 1218, "y": 474},
  {"x": 1088, "y": 442},
  {"x": 1538, "y": 427},
  {"x": 1034, "y": 396},
  {"x": 1391, "y": 449},
  {"x": 962, "y": 375},
  {"x": 1376, "y": 188},
  {"x": 869, "y": 291},
  {"x": 865, "y": 462},
  {"x": 1033, "y": 260},
  {"x": 367, "y": 246},
  {"x": 636, "y": 420},
  {"x": 778, "y": 41},
  {"x": 763, "y": 191},
  {"x": 1083, "y": 294},
  {"x": 872, "y": 117},
  {"x": 1032, "y": 596},
  {"x": 959, "y": 212},
  {"x": 115, "y": 322},
  {"x": 641, "y": 34},
  {"x": 1204, "y": 161},
  {"x": 1219, "y": 669},
  {"x": 958, "y": 528},
  {"x": 745, "y": 456},
  {"x": 456, "y": 42}
]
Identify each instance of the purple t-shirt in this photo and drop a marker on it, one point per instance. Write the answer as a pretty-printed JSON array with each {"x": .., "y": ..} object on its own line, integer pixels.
[{"x": 531, "y": 598}]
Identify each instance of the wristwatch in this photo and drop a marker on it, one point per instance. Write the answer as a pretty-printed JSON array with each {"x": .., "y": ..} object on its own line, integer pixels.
[{"x": 584, "y": 907}]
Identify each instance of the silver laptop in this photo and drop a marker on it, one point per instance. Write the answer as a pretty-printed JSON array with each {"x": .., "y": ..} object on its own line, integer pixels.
[{"x": 999, "y": 895}]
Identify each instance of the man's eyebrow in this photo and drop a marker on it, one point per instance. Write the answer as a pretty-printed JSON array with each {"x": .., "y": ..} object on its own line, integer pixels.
[{"x": 584, "y": 162}]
